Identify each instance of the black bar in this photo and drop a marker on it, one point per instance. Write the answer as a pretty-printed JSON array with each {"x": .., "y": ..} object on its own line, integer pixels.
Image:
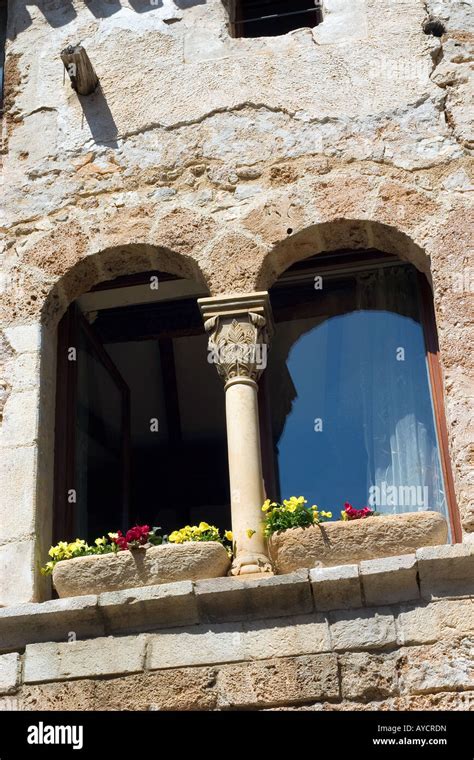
[{"x": 330, "y": 730}]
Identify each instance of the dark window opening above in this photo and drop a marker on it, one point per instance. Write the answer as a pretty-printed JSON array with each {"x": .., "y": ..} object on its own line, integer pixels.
[{"x": 270, "y": 18}]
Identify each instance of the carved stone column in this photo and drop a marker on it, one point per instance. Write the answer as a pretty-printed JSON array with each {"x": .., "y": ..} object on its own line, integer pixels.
[{"x": 239, "y": 330}]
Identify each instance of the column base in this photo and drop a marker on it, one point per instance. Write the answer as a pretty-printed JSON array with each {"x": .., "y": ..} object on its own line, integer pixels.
[{"x": 248, "y": 564}]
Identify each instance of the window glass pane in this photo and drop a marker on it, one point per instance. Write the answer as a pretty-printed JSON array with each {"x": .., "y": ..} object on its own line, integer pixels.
[
  {"x": 98, "y": 445},
  {"x": 351, "y": 406}
]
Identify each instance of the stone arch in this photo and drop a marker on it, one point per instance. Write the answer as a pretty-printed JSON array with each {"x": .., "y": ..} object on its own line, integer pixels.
[
  {"x": 110, "y": 263},
  {"x": 338, "y": 234},
  {"x": 55, "y": 273}
]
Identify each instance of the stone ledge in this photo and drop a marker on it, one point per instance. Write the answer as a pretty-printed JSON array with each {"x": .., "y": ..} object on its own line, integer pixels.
[
  {"x": 237, "y": 599},
  {"x": 347, "y": 587},
  {"x": 149, "y": 607},
  {"x": 444, "y": 570},
  {"x": 49, "y": 621},
  {"x": 390, "y": 580}
]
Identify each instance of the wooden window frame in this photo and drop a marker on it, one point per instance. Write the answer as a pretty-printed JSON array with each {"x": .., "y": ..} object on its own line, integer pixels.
[{"x": 435, "y": 373}]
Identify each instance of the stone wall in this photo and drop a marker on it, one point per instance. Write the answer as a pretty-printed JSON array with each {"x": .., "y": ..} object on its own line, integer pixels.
[
  {"x": 392, "y": 634},
  {"x": 223, "y": 160}
]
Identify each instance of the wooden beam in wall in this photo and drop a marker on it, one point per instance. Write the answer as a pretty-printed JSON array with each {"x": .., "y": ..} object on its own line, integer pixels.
[{"x": 81, "y": 72}]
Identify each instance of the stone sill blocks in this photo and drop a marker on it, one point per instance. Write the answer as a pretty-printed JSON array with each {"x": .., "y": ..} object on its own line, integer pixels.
[{"x": 433, "y": 573}]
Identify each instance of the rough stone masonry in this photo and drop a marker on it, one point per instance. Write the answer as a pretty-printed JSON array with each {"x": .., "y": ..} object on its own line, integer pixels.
[{"x": 227, "y": 160}]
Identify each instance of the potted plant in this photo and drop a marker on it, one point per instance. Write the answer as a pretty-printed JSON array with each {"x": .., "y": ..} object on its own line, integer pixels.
[
  {"x": 140, "y": 557},
  {"x": 302, "y": 537}
]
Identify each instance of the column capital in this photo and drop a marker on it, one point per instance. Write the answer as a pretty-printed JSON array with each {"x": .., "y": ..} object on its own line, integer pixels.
[{"x": 240, "y": 327}]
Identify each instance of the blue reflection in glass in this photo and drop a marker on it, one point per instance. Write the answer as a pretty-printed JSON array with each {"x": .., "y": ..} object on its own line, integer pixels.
[{"x": 360, "y": 426}]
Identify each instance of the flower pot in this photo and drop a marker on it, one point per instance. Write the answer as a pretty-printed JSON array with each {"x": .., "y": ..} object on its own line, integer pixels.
[
  {"x": 344, "y": 543},
  {"x": 190, "y": 561}
]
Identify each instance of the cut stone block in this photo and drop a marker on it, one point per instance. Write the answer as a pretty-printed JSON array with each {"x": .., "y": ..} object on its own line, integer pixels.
[
  {"x": 362, "y": 629},
  {"x": 278, "y": 682},
  {"x": 234, "y": 642},
  {"x": 84, "y": 659},
  {"x": 149, "y": 607},
  {"x": 56, "y": 620},
  {"x": 9, "y": 672},
  {"x": 17, "y": 572},
  {"x": 446, "y": 570},
  {"x": 336, "y": 587},
  {"x": 239, "y": 599},
  {"x": 389, "y": 580}
]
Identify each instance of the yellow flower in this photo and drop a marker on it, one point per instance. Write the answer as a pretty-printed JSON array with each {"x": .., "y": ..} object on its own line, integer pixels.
[
  {"x": 229, "y": 536},
  {"x": 344, "y": 515},
  {"x": 112, "y": 535},
  {"x": 100, "y": 541},
  {"x": 266, "y": 506},
  {"x": 250, "y": 532},
  {"x": 203, "y": 526}
]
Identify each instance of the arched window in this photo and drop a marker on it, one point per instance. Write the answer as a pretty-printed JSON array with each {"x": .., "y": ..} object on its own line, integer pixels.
[
  {"x": 350, "y": 381},
  {"x": 270, "y": 18},
  {"x": 140, "y": 419}
]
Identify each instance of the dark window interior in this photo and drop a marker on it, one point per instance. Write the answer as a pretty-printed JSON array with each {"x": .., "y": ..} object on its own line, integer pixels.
[
  {"x": 137, "y": 364},
  {"x": 270, "y": 18}
]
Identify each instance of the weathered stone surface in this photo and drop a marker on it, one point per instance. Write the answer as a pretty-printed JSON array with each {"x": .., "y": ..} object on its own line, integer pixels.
[
  {"x": 426, "y": 623},
  {"x": 70, "y": 695},
  {"x": 227, "y": 168},
  {"x": 177, "y": 689},
  {"x": 130, "y": 569},
  {"x": 362, "y": 629},
  {"x": 55, "y": 620},
  {"x": 341, "y": 543},
  {"x": 446, "y": 666},
  {"x": 418, "y": 624},
  {"x": 18, "y": 468},
  {"x": 368, "y": 677},
  {"x": 441, "y": 701},
  {"x": 9, "y": 672},
  {"x": 20, "y": 419},
  {"x": 149, "y": 607},
  {"x": 446, "y": 570},
  {"x": 22, "y": 584},
  {"x": 389, "y": 580},
  {"x": 234, "y": 642},
  {"x": 84, "y": 659},
  {"x": 238, "y": 599},
  {"x": 273, "y": 682},
  {"x": 336, "y": 587}
]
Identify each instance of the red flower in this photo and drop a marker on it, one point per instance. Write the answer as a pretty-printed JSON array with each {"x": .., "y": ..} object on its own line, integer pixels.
[
  {"x": 134, "y": 536},
  {"x": 356, "y": 514}
]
